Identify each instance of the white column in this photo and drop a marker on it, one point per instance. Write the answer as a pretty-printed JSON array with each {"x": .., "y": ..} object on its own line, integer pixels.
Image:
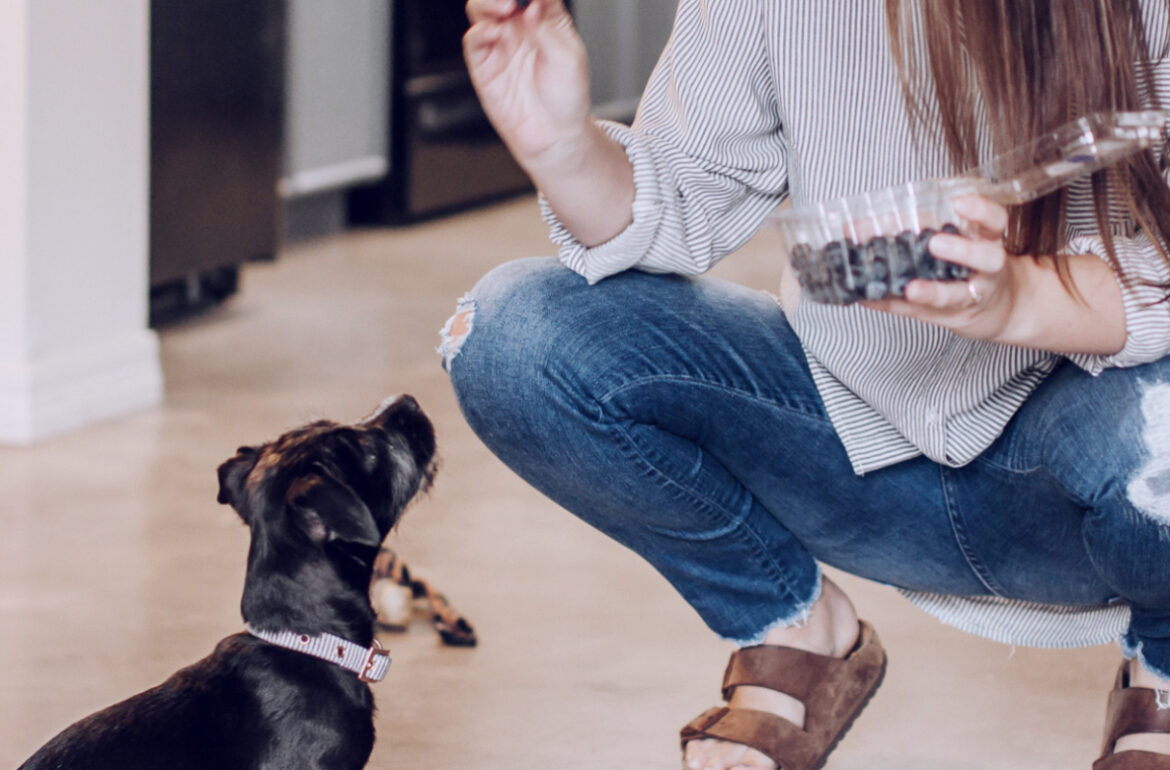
[{"x": 75, "y": 347}]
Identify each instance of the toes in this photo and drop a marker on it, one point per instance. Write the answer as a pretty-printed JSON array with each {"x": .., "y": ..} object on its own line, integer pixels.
[
  {"x": 710, "y": 754},
  {"x": 754, "y": 760}
]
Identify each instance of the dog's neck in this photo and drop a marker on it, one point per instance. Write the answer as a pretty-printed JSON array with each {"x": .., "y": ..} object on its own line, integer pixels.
[{"x": 314, "y": 599}]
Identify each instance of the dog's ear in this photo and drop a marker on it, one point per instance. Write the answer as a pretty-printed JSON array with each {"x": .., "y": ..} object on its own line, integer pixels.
[
  {"x": 328, "y": 509},
  {"x": 233, "y": 473}
]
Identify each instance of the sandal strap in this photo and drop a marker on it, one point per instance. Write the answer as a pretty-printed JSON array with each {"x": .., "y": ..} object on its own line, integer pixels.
[
  {"x": 834, "y": 691},
  {"x": 1133, "y": 710},
  {"x": 806, "y": 676},
  {"x": 1133, "y": 760},
  {"x": 784, "y": 669},
  {"x": 781, "y": 741}
]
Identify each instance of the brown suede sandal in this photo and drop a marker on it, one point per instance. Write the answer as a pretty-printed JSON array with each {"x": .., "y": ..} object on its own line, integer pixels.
[
  {"x": 834, "y": 691},
  {"x": 1132, "y": 710}
]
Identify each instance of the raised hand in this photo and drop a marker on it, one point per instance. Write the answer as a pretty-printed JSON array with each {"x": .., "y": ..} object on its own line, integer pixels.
[{"x": 530, "y": 70}]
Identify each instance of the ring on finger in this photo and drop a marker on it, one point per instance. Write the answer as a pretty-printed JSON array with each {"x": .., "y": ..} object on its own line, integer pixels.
[{"x": 976, "y": 297}]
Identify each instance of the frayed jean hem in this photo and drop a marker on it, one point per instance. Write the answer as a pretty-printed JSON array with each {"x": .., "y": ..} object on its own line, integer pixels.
[
  {"x": 798, "y": 617},
  {"x": 1131, "y": 651}
]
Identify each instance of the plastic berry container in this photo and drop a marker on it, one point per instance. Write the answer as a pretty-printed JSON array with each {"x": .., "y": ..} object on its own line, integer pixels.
[{"x": 870, "y": 246}]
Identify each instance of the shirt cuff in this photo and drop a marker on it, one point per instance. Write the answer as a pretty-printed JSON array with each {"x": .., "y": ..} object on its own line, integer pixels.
[
  {"x": 1147, "y": 316},
  {"x": 629, "y": 247}
]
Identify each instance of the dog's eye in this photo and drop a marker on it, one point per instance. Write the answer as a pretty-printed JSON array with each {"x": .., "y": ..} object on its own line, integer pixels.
[{"x": 364, "y": 450}]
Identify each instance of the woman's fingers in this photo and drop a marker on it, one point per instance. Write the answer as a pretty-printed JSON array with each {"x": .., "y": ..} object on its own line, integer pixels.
[
  {"x": 491, "y": 10},
  {"x": 479, "y": 43},
  {"x": 498, "y": 10},
  {"x": 552, "y": 10},
  {"x": 979, "y": 255},
  {"x": 944, "y": 294},
  {"x": 984, "y": 216},
  {"x": 489, "y": 18}
]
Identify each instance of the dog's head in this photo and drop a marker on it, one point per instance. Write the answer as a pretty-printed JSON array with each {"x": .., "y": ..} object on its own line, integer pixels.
[{"x": 321, "y": 498}]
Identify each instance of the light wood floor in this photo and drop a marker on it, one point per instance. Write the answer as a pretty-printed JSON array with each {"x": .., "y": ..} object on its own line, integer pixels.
[{"x": 118, "y": 567}]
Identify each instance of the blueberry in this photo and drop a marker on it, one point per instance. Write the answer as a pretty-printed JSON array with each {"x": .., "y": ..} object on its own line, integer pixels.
[
  {"x": 804, "y": 261},
  {"x": 802, "y": 256},
  {"x": 879, "y": 250},
  {"x": 902, "y": 267},
  {"x": 835, "y": 258},
  {"x": 857, "y": 273},
  {"x": 876, "y": 289},
  {"x": 928, "y": 266}
]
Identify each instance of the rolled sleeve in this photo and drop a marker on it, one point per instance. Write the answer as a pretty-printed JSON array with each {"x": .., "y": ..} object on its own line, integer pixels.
[
  {"x": 1146, "y": 275},
  {"x": 707, "y": 149},
  {"x": 1147, "y": 314},
  {"x": 630, "y": 246}
]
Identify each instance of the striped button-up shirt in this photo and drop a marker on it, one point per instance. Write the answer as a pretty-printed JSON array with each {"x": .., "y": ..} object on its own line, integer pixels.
[{"x": 758, "y": 101}]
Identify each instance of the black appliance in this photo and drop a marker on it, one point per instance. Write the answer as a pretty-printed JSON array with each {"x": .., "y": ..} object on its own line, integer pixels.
[
  {"x": 216, "y": 127},
  {"x": 443, "y": 153}
]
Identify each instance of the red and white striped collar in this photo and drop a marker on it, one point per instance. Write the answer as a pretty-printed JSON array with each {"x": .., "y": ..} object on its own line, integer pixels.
[{"x": 369, "y": 663}]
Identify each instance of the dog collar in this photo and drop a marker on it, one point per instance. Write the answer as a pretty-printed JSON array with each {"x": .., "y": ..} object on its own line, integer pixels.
[{"x": 369, "y": 663}]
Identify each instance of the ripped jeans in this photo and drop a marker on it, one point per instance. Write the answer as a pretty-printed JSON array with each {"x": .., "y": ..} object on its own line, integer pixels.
[{"x": 679, "y": 416}]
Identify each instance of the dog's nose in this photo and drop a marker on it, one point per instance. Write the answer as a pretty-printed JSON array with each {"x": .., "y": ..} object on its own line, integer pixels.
[
  {"x": 406, "y": 401},
  {"x": 402, "y": 415},
  {"x": 397, "y": 402}
]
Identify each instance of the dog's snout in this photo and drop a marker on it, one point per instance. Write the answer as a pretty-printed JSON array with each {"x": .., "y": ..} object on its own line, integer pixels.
[
  {"x": 399, "y": 401},
  {"x": 401, "y": 415},
  {"x": 406, "y": 401}
]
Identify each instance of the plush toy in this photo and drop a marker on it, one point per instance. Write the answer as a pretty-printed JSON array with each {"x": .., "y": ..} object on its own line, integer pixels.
[{"x": 396, "y": 595}]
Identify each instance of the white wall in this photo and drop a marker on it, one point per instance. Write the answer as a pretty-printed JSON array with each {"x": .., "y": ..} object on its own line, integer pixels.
[
  {"x": 13, "y": 178},
  {"x": 74, "y": 149}
]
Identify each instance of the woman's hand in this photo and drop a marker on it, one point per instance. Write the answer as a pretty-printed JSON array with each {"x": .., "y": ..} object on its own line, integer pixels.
[
  {"x": 982, "y": 307},
  {"x": 529, "y": 68}
]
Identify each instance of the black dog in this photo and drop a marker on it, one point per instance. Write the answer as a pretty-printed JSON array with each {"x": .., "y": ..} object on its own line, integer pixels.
[{"x": 319, "y": 501}]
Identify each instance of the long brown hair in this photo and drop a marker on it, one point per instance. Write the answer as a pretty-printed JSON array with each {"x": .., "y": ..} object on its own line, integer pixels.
[{"x": 1033, "y": 65}]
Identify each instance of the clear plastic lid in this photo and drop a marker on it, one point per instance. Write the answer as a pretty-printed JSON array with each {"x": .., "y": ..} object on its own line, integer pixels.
[{"x": 1074, "y": 150}]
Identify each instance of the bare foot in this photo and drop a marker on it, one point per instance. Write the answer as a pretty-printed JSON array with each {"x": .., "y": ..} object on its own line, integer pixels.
[
  {"x": 831, "y": 629},
  {"x": 1158, "y": 743}
]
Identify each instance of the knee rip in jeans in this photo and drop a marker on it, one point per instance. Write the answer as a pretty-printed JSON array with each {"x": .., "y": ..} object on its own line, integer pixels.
[
  {"x": 456, "y": 331},
  {"x": 1149, "y": 491}
]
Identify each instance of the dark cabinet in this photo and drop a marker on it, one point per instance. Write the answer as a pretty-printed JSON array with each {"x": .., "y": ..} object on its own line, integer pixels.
[
  {"x": 216, "y": 89},
  {"x": 443, "y": 153}
]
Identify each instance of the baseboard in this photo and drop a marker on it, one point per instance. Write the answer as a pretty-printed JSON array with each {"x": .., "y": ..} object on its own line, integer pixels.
[
  {"x": 335, "y": 177},
  {"x": 43, "y": 399}
]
